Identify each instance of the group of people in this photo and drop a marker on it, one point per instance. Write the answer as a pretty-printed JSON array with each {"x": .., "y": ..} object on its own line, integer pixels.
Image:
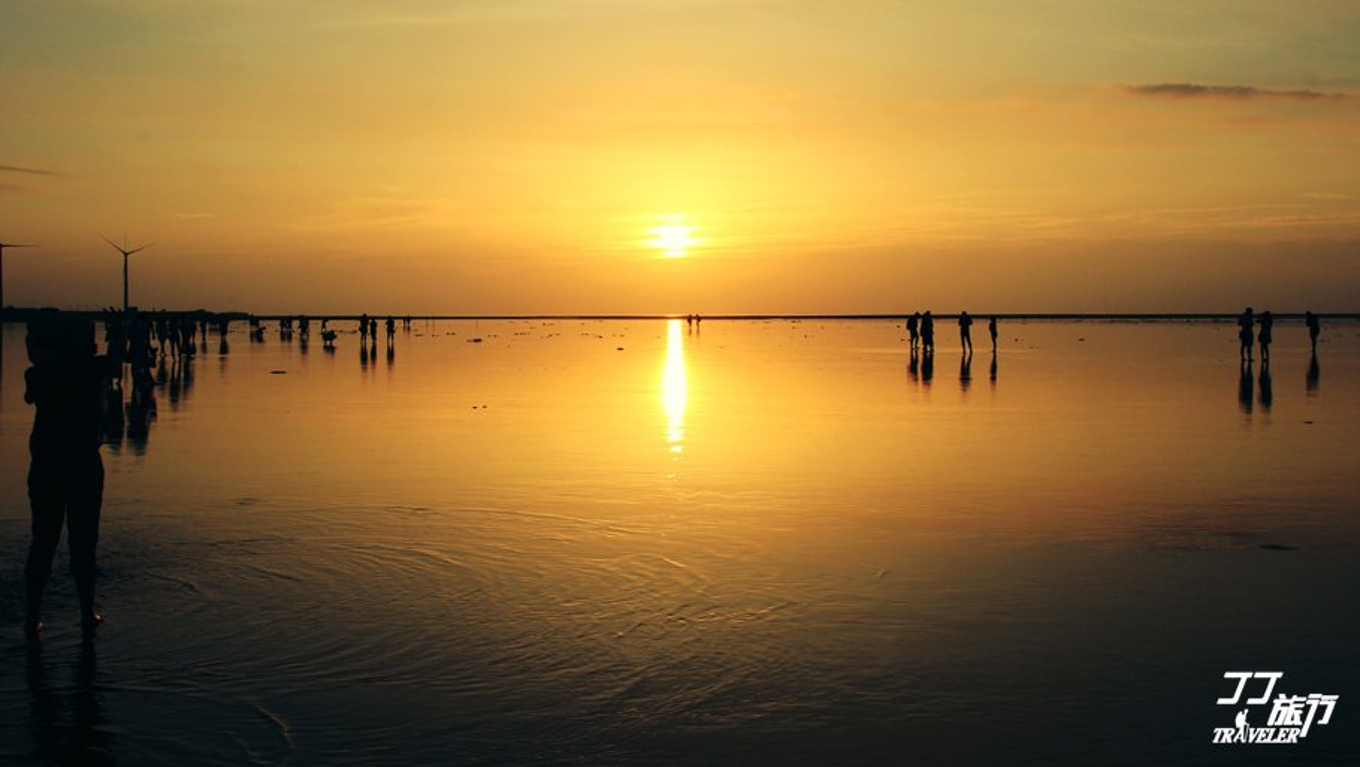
[
  {"x": 1247, "y": 324},
  {"x": 921, "y": 331}
]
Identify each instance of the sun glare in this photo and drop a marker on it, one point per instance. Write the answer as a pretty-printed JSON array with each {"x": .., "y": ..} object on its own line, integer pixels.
[{"x": 673, "y": 241}]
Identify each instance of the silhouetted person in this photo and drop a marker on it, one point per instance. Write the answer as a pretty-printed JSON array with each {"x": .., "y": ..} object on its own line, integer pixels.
[
  {"x": 391, "y": 329},
  {"x": 363, "y": 329},
  {"x": 991, "y": 330},
  {"x": 966, "y": 332},
  {"x": 914, "y": 329},
  {"x": 1314, "y": 328},
  {"x": 928, "y": 333},
  {"x": 1265, "y": 337},
  {"x": 66, "y": 476},
  {"x": 1245, "y": 385},
  {"x": 1244, "y": 333}
]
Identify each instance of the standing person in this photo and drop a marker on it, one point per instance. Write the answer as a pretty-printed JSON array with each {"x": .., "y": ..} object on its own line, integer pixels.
[
  {"x": 928, "y": 333},
  {"x": 991, "y": 330},
  {"x": 966, "y": 332},
  {"x": 391, "y": 329},
  {"x": 1266, "y": 335},
  {"x": 914, "y": 329},
  {"x": 1244, "y": 332},
  {"x": 66, "y": 475},
  {"x": 363, "y": 329},
  {"x": 1314, "y": 328}
]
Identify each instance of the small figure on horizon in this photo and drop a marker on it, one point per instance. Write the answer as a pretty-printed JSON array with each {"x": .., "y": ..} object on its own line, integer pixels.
[
  {"x": 991, "y": 330},
  {"x": 1266, "y": 335},
  {"x": 363, "y": 329},
  {"x": 391, "y": 329},
  {"x": 966, "y": 332},
  {"x": 1314, "y": 328},
  {"x": 1244, "y": 332},
  {"x": 66, "y": 475},
  {"x": 928, "y": 333},
  {"x": 914, "y": 329}
]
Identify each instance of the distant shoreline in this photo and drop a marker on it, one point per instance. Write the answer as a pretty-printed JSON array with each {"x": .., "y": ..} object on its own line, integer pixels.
[{"x": 17, "y": 314}]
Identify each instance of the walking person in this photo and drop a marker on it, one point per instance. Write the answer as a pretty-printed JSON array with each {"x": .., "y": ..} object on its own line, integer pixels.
[
  {"x": 966, "y": 332},
  {"x": 66, "y": 475},
  {"x": 1266, "y": 335},
  {"x": 1245, "y": 321},
  {"x": 914, "y": 329}
]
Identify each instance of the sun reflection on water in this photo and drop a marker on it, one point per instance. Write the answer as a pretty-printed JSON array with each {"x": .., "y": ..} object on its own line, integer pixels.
[{"x": 675, "y": 387}]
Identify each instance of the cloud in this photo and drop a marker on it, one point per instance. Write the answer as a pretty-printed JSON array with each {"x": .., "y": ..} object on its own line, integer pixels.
[
  {"x": 29, "y": 171},
  {"x": 1235, "y": 92}
]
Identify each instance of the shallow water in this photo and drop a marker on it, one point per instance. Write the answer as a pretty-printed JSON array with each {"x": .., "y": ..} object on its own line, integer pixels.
[{"x": 632, "y": 543}]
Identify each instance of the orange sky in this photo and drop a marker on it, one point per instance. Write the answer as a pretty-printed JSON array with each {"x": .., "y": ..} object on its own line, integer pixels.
[{"x": 514, "y": 157}]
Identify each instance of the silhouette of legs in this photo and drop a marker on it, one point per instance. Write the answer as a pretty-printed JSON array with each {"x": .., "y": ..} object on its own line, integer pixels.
[{"x": 72, "y": 497}]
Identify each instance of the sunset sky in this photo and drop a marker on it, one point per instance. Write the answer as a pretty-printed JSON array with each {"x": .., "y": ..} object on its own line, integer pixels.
[{"x": 620, "y": 156}]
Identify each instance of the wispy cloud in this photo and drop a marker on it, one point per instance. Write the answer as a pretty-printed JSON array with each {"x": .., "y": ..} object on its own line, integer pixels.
[
  {"x": 29, "y": 171},
  {"x": 1234, "y": 92}
]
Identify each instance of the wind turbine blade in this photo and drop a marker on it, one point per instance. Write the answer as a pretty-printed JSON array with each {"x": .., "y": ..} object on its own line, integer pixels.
[
  {"x": 144, "y": 247},
  {"x": 114, "y": 244}
]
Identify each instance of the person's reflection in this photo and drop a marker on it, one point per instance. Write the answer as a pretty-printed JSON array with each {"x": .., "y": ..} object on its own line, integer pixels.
[
  {"x": 68, "y": 726},
  {"x": 992, "y": 370},
  {"x": 141, "y": 411},
  {"x": 914, "y": 367},
  {"x": 966, "y": 370},
  {"x": 114, "y": 423},
  {"x": 188, "y": 376},
  {"x": 927, "y": 366},
  {"x": 174, "y": 382},
  {"x": 1314, "y": 373},
  {"x": 1267, "y": 393},
  {"x": 1245, "y": 387},
  {"x": 391, "y": 350},
  {"x": 363, "y": 351}
]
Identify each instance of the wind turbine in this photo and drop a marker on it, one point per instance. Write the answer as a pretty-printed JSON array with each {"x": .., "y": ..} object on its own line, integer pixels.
[
  {"x": 125, "y": 253},
  {"x": 4, "y": 245}
]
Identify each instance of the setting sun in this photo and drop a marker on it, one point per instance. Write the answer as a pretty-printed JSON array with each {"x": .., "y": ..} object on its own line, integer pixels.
[{"x": 673, "y": 241}]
